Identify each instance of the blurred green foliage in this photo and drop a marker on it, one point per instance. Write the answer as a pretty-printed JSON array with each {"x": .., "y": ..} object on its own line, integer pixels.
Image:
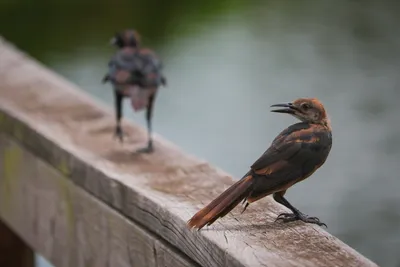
[{"x": 63, "y": 25}]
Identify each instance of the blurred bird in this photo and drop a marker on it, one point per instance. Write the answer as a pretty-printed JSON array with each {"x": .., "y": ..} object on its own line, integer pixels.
[
  {"x": 295, "y": 154},
  {"x": 135, "y": 73}
]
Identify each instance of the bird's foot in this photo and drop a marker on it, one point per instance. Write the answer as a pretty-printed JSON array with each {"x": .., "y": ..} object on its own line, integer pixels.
[
  {"x": 119, "y": 134},
  {"x": 148, "y": 149},
  {"x": 291, "y": 217}
]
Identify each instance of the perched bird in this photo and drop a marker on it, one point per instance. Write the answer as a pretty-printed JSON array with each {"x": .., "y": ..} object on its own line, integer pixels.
[
  {"x": 295, "y": 154},
  {"x": 136, "y": 73}
]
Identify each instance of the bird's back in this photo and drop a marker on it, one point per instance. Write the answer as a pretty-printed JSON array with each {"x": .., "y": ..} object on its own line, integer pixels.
[
  {"x": 136, "y": 67},
  {"x": 295, "y": 154}
]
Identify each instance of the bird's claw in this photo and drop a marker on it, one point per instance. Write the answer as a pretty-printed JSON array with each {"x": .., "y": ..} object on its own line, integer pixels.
[
  {"x": 285, "y": 216},
  {"x": 146, "y": 150},
  {"x": 290, "y": 217},
  {"x": 119, "y": 134}
]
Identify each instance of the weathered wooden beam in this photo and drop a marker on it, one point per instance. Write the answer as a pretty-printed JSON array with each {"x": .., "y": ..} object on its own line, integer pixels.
[
  {"x": 13, "y": 251},
  {"x": 158, "y": 193},
  {"x": 65, "y": 223}
]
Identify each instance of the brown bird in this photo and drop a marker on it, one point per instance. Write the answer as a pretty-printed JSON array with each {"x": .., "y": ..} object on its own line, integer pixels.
[
  {"x": 135, "y": 73},
  {"x": 295, "y": 154}
]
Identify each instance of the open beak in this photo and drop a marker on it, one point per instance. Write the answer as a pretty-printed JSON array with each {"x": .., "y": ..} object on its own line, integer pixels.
[{"x": 288, "y": 108}]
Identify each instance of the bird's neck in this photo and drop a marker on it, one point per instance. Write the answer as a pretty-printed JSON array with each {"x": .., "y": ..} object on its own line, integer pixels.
[{"x": 326, "y": 123}]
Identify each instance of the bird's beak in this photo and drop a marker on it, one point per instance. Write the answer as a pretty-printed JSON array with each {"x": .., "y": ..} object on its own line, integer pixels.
[
  {"x": 113, "y": 41},
  {"x": 285, "y": 108}
]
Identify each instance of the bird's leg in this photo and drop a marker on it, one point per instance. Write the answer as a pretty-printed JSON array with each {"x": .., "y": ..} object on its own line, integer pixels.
[
  {"x": 118, "y": 111},
  {"x": 296, "y": 215},
  {"x": 149, "y": 116}
]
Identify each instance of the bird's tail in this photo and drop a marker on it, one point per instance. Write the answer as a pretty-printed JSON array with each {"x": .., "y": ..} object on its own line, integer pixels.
[{"x": 223, "y": 204}]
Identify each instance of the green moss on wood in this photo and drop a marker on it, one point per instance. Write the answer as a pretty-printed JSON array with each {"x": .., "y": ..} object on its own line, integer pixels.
[
  {"x": 2, "y": 117},
  {"x": 18, "y": 131},
  {"x": 66, "y": 197},
  {"x": 12, "y": 159},
  {"x": 2, "y": 121},
  {"x": 63, "y": 167}
]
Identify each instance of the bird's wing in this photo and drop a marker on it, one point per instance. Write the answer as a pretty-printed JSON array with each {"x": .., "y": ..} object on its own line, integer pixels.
[
  {"x": 136, "y": 67},
  {"x": 286, "y": 144},
  {"x": 151, "y": 69},
  {"x": 125, "y": 67},
  {"x": 294, "y": 155}
]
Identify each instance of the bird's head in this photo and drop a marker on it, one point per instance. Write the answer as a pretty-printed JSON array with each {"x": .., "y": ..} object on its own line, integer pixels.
[
  {"x": 126, "y": 38},
  {"x": 305, "y": 109}
]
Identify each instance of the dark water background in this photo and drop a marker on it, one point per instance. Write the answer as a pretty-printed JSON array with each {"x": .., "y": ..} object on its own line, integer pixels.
[{"x": 228, "y": 61}]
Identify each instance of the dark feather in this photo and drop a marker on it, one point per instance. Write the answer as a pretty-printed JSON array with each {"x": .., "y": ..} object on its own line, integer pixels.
[{"x": 136, "y": 67}]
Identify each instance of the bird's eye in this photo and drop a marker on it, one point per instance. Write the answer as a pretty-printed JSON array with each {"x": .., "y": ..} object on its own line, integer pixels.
[{"x": 305, "y": 106}]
